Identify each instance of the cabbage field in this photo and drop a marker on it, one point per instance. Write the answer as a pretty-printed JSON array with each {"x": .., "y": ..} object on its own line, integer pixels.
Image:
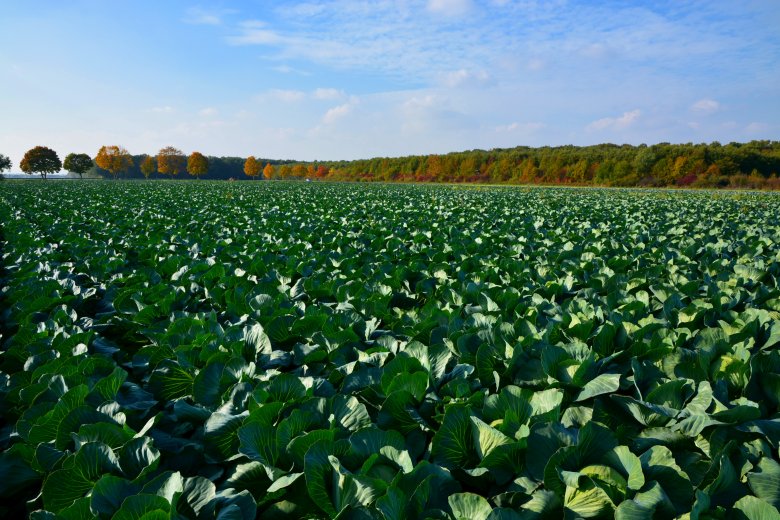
[{"x": 219, "y": 350}]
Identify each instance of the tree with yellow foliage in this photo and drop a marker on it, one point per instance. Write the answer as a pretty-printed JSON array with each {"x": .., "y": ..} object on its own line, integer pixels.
[
  {"x": 197, "y": 164},
  {"x": 171, "y": 161},
  {"x": 148, "y": 166},
  {"x": 298, "y": 171},
  {"x": 285, "y": 171},
  {"x": 252, "y": 167}
]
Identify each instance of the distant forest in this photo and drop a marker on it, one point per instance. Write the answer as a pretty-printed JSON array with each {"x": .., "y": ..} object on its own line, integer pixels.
[{"x": 738, "y": 165}]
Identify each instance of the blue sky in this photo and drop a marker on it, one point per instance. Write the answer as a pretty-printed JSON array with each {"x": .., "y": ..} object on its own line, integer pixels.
[{"x": 356, "y": 79}]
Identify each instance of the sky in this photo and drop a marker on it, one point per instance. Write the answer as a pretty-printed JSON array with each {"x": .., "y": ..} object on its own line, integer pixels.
[{"x": 354, "y": 79}]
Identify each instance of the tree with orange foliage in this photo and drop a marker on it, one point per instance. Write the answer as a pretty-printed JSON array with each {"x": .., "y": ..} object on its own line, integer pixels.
[
  {"x": 115, "y": 159},
  {"x": 171, "y": 161},
  {"x": 197, "y": 164},
  {"x": 268, "y": 171},
  {"x": 252, "y": 167},
  {"x": 322, "y": 172}
]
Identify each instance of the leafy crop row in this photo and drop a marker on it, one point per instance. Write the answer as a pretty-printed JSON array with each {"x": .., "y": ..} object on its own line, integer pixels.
[{"x": 304, "y": 350}]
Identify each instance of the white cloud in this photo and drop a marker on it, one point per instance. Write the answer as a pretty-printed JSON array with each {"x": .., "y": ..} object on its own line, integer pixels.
[
  {"x": 756, "y": 127},
  {"x": 420, "y": 102},
  {"x": 464, "y": 77},
  {"x": 199, "y": 16},
  {"x": 706, "y": 106},
  {"x": 161, "y": 110},
  {"x": 449, "y": 7},
  {"x": 615, "y": 123},
  {"x": 208, "y": 112},
  {"x": 306, "y": 10},
  {"x": 519, "y": 127},
  {"x": 328, "y": 93},
  {"x": 255, "y": 32},
  {"x": 288, "y": 96},
  {"x": 286, "y": 69},
  {"x": 336, "y": 113},
  {"x": 596, "y": 51}
]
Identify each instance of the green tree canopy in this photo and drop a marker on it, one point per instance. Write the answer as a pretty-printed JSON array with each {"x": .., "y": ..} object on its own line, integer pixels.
[
  {"x": 79, "y": 163},
  {"x": 5, "y": 163}
]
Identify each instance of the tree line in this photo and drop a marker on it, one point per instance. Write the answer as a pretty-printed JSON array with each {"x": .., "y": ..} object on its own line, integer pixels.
[{"x": 755, "y": 164}]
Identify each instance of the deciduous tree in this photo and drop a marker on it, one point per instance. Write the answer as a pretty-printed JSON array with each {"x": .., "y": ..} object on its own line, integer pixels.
[
  {"x": 298, "y": 171},
  {"x": 79, "y": 163},
  {"x": 40, "y": 160},
  {"x": 285, "y": 171},
  {"x": 268, "y": 171},
  {"x": 148, "y": 166},
  {"x": 197, "y": 164},
  {"x": 5, "y": 164},
  {"x": 115, "y": 159},
  {"x": 171, "y": 161},
  {"x": 252, "y": 167}
]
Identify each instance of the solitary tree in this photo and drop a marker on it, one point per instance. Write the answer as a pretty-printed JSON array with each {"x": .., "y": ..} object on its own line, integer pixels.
[
  {"x": 171, "y": 161},
  {"x": 115, "y": 159},
  {"x": 40, "y": 160},
  {"x": 79, "y": 163},
  {"x": 5, "y": 164},
  {"x": 197, "y": 164},
  {"x": 268, "y": 171},
  {"x": 252, "y": 167},
  {"x": 148, "y": 166}
]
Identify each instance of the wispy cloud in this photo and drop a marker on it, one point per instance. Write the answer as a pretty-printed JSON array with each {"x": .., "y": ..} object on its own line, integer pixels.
[
  {"x": 295, "y": 96},
  {"x": 200, "y": 16},
  {"x": 256, "y": 32},
  {"x": 161, "y": 110},
  {"x": 288, "y": 96},
  {"x": 403, "y": 39},
  {"x": 208, "y": 112},
  {"x": 449, "y": 7},
  {"x": 462, "y": 77},
  {"x": 286, "y": 69},
  {"x": 336, "y": 113},
  {"x": 519, "y": 127},
  {"x": 756, "y": 128},
  {"x": 328, "y": 93},
  {"x": 615, "y": 123},
  {"x": 705, "y": 106}
]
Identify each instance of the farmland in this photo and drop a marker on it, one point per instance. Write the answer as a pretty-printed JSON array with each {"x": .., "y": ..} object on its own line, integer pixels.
[{"x": 287, "y": 350}]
